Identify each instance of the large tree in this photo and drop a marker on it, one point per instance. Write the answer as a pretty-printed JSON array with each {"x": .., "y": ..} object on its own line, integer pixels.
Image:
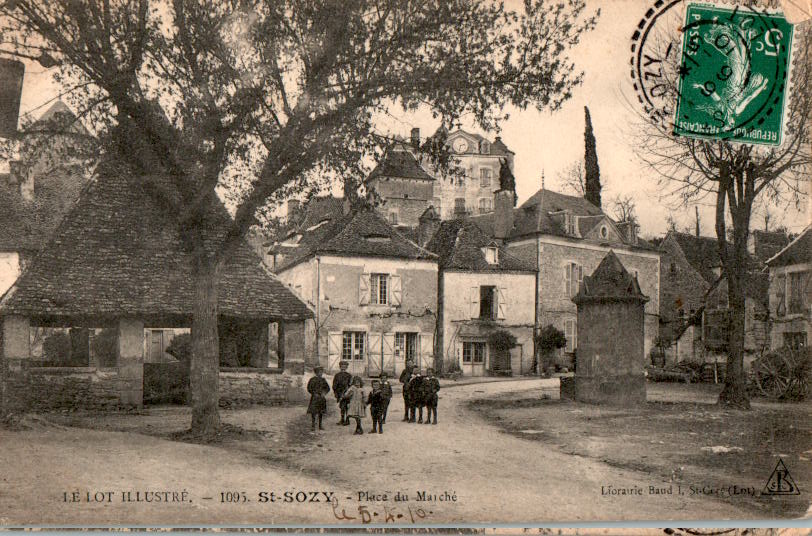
[
  {"x": 734, "y": 177},
  {"x": 592, "y": 173},
  {"x": 261, "y": 97}
]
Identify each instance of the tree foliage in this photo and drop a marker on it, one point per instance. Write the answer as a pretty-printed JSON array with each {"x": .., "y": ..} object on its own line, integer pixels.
[
  {"x": 592, "y": 173},
  {"x": 257, "y": 99},
  {"x": 734, "y": 177}
]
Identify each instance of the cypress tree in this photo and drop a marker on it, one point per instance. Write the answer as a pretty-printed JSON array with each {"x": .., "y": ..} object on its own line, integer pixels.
[{"x": 592, "y": 186}]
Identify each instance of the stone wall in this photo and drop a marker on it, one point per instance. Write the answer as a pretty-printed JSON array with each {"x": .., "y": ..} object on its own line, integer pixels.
[
  {"x": 62, "y": 388},
  {"x": 244, "y": 387}
]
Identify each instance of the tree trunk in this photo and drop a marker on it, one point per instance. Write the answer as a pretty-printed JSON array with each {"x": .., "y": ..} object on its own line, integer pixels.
[
  {"x": 205, "y": 365},
  {"x": 735, "y": 266}
]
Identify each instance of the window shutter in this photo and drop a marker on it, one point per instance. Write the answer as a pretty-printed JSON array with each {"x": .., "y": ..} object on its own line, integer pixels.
[
  {"x": 580, "y": 279},
  {"x": 501, "y": 303},
  {"x": 363, "y": 290},
  {"x": 426, "y": 350},
  {"x": 334, "y": 342},
  {"x": 474, "y": 302},
  {"x": 568, "y": 279},
  {"x": 395, "y": 291},
  {"x": 568, "y": 332}
]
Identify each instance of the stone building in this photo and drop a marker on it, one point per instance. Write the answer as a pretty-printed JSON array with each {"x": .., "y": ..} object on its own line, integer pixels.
[
  {"x": 790, "y": 293},
  {"x": 55, "y": 155},
  {"x": 566, "y": 237},
  {"x": 374, "y": 291},
  {"x": 407, "y": 183},
  {"x": 694, "y": 300},
  {"x": 482, "y": 289},
  {"x": 118, "y": 262}
]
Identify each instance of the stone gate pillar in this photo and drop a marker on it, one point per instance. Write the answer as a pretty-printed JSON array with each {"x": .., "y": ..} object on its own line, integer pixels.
[
  {"x": 131, "y": 361},
  {"x": 610, "y": 352},
  {"x": 16, "y": 340}
]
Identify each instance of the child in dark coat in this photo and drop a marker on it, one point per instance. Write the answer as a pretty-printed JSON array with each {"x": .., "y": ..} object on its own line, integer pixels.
[
  {"x": 386, "y": 388},
  {"x": 431, "y": 386},
  {"x": 318, "y": 388},
  {"x": 405, "y": 378},
  {"x": 377, "y": 402},
  {"x": 341, "y": 382},
  {"x": 415, "y": 397}
]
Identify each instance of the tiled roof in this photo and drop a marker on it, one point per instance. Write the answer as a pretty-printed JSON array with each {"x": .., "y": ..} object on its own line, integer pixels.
[
  {"x": 459, "y": 243},
  {"x": 701, "y": 252},
  {"x": 361, "y": 233},
  {"x": 537, "y": 215},
  {"x": 116, "y": 253},
  {"x": 768, "y": 243},
  {"x": 798, "y": 251},
  {"x": 400, "y": 163},
  {"x": 26, "y": 225}
]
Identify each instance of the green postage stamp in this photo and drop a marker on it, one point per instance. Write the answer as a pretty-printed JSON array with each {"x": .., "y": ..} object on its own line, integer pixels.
[{"x": 733, "y": 75}]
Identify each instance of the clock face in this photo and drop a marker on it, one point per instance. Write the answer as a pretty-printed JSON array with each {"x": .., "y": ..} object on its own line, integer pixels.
[{"x": 460, "y": 145}]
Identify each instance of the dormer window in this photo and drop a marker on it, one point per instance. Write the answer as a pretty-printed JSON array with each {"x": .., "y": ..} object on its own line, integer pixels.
[
  {"x": 485, "y": 148},
  {"x": 491, "y": 254},
  {"x": 569, "y": 224},
  {"x": 604, "y": 232}
]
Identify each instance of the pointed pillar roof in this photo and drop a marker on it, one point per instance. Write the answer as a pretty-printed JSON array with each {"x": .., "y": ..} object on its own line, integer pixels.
[{"x": 610, "y": 282}]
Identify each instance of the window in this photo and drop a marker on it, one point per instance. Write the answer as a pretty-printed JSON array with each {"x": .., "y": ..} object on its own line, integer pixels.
[
  {"x": 459, "y": 205},
  {"x": 485, "y": 148},
  {"x": 573, "y": 277},
  {"x": 604, "y": 231},
  {"x": 352, "y": 347},
  {"x": 795, "y": 340},
  {"x": 672, "y": 268},
  {"x": 406, "y": 346},
  {"x": 569, "y": 224},
  {"x": 571, "y": 333},
  {"x": 484, "y": 177},
  {"x": 473, "y": 352},
  {"x": 797, "y": 292},
  {"x": 487, "y": 302},
  {"x": 485, "y": 205},
  {"x": 393, "y": 217},
  {"x": 491, "y": 254},
  {"x": 379, "y": 289},
  {"x": 780, "y": 291}
]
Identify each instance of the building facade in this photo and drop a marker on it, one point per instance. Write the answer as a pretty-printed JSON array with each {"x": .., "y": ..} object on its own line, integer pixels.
[
  {"x": 791, "y": 293},
  {"x": 483, "y": 290},
  {"x": 406, "y": 183},
  {"x": 373, "y": 290}
]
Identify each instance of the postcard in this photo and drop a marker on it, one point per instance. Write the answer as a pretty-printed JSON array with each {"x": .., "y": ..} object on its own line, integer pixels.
[{"x": 397, "y": 264}]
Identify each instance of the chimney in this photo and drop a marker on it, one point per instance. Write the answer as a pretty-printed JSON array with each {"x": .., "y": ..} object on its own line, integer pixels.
[
  {"x": 416, "y": 137},
  {"x": 696, "y": 209},
  {"x": 294, "y": 205},
  {"x": 503, "y": 213},
  {"x": 428, "y": 224}
]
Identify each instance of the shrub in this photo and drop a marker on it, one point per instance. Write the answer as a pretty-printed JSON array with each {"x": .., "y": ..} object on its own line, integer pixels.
[
  {"x": 502, "y": 340},
  {"x": 548, "y": 340},
  {"x": 181, "y": 348},
  {"x": 56, "y": 347}
]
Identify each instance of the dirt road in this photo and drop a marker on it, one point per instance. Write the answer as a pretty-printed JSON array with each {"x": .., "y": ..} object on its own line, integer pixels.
[{"x": 493, "y": 476}]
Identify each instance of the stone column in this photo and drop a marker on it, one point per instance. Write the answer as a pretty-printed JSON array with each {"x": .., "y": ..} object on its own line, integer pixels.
[
  {"x": 131, "y": 361},
  {"x": 293, "y": 342},
  {"x": 16, "y": 340}
]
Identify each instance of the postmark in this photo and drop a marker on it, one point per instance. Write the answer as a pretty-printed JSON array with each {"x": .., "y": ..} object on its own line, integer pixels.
[
  {"x": 733, "y": 75},
  {"x": 705, "y": 71}
]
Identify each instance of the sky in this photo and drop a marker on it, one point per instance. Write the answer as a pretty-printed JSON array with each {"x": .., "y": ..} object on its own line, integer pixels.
[{"x": 548, "y": 143}]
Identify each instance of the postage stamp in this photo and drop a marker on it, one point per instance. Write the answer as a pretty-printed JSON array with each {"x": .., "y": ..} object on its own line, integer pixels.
[{"x": 733, "y": 74}]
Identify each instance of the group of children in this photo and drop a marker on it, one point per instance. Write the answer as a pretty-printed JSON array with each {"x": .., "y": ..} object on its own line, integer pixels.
[{"x": 418, "y": 391}]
